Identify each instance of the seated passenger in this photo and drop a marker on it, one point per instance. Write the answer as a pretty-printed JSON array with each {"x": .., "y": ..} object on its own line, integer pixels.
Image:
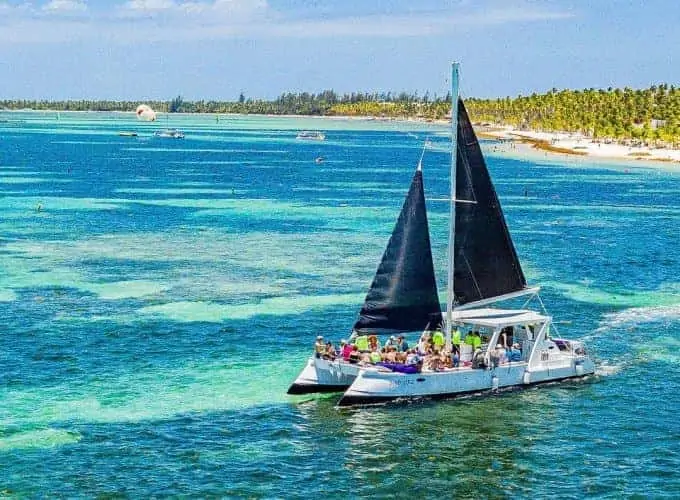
[
  {"x": 354, "y": 355},
  {"x": 497, "y": 356},
  {"x": 390, "y": 355},
  {"x": 319, "y": 346},
  {"x": 424, "y": 344},
  {"x": 345, "y": 349},
  {"x": 362, "y": 343},
  {"x": 515, "y": 353},
  {"x": 329, "y": 352},
  {"x": 373, "y": 344},
  {"x": 402, "y": 345},
  {"x": 392, "y": 341},
  {"x": 375, "y": 357},
  {"x": 478, "y": 360},
  {"x": 413, "y": 359}
]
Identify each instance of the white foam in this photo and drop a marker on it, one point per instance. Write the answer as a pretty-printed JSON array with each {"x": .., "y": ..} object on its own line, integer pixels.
[{"x": 641, "y": 315}]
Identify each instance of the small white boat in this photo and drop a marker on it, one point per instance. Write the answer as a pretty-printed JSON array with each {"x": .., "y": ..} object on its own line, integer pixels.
[
  {"x": 170, "y": 133},
  {"x": 483, "y": 269},
  {"x": 311, "y": 135},
  {"x": 126, "y": 133}
]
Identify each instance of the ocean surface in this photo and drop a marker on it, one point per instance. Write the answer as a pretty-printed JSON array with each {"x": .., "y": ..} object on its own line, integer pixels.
[{"x": 158, "y": 296}]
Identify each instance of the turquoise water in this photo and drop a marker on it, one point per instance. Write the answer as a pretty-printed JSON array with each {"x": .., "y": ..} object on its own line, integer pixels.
[{"x": 158, "y": 297}]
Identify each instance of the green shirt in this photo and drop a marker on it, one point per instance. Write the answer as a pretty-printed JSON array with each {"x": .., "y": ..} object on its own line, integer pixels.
[{"x": 438, "y": 338}]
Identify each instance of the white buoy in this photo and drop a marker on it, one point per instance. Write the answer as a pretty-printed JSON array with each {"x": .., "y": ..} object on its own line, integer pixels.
[
  {"x": 579, "y": 369},
  {"x": 526, "y": 379},
  {"x": 494, "y": 383}
]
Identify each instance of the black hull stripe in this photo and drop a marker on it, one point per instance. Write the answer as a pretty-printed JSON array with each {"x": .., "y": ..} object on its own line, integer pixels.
[
  {"x": 312, "y": 388},
  {"x": 372, "y": 400}
]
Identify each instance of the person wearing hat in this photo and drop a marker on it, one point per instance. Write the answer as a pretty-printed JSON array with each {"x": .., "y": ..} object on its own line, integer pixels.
[
  {"x": 391, "y": 342},
  {"x": 319, "y": 346}
]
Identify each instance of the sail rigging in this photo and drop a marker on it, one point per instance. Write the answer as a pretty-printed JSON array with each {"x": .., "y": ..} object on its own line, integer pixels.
[
  {"x": 403, "y": 296},
  {"x": 486, "y": 263}
]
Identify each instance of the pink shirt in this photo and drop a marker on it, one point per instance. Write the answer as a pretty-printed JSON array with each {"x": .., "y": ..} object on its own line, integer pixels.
[{"x": 346, "y": 351}]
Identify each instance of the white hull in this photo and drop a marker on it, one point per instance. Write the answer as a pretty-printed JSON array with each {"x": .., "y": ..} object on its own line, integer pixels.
[
  {"x": 375, "y": 386},
  {"x": 321, "y": 375}
]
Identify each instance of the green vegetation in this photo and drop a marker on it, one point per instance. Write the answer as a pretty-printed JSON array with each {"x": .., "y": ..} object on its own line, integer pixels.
[
  {"x": 325, "y": 103},
  {"x": 649, "y": 115}
]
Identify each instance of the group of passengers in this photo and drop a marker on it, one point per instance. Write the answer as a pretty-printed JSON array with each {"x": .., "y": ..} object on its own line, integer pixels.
[{"x": 430, "y": 353}]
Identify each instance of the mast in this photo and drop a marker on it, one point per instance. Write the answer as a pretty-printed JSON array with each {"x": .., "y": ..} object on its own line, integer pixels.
[{"x": 452, "y": 213}]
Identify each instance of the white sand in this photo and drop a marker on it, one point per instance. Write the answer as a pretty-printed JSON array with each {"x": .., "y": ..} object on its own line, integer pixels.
[{"x": 581, "y": 144}]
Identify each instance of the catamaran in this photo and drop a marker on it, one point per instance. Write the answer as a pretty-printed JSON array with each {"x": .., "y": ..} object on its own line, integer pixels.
[{"x": 483, "y": 269}]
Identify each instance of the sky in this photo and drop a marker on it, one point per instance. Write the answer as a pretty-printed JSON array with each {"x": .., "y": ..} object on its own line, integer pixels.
[{"x": 216, "y": 49}]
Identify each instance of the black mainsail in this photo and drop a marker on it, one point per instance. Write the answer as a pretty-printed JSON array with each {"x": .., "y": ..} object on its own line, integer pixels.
[
  {"x": 485, "y": 260},
  {"x": 403, "y": 296}
]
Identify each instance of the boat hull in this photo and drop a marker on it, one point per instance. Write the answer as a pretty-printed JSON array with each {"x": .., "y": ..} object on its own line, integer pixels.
[
  {"x": 321, "y": 375},
  {"x": 373, "y": 386}
]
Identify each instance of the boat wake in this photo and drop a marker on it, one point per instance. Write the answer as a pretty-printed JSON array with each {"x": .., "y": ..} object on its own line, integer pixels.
[{"x": 635, "y": 316}]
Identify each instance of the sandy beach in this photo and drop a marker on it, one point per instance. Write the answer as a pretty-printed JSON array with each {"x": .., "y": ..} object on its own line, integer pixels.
[{"x": 580, "y": 145}]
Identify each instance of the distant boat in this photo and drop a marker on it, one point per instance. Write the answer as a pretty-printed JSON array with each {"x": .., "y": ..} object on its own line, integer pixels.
[
  {"x": 311, "y": 135},
  {"x": 170, "y": 133},
  {"x": 124, "y": 133}
]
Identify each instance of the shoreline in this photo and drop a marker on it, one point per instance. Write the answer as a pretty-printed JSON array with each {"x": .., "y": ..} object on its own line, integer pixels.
[
  {"x": 577, "y": 145},
  {"x": 559, "y": 144}
]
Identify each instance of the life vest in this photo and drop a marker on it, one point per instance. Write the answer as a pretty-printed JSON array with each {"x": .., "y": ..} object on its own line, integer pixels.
[
  {"x": 362, "y": 342},
  {"x": 455, "y": 337},
  {"x": 438, "y": 338},
  {"x": 375, "y": 357}
]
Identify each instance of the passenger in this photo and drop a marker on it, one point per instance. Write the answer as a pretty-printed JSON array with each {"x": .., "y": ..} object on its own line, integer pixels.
[
  {"x": 319, "y": 346},
  {"x": 478, "y": 359},
  {"x": 424, "y": 344},
  {"x": 438, "y": 340},
  {"x": 362, "y": 343},
  {"x": 474, "y": 340},
  {"x": 497, "y": 356},
  {"x": 346, "y": 349},
  {"x": 455, "y": 341},
  {"x": 354, "y": 355},
  {"x": 392, "y": 341},
  {"x": 373, "y": 344},
  {"x": 390, "y": 355},
  {"x": 515, "y": 353},
  {"x": 455, "y": 358},
  {"x": 402, "y": 345},
  {"x": 413, "y": 359},
  {"x": 329, "y": 352}
]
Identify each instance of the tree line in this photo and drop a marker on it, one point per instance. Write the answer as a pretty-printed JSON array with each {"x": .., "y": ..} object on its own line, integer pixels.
[{"x": 651, "y": 114}]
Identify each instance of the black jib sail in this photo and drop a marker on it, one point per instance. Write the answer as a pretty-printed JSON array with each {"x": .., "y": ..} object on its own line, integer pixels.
[
  {"x": 403, "y": 296},
  {"x": 486, "y": 264}
]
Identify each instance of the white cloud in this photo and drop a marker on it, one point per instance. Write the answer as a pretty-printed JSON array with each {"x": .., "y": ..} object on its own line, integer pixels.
[
  {"x": 180, "y": 20},
  {"x": 65, "y": 6},
  {"x": 235, "y": 9},
  {"x": 149, "y": 5}
]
